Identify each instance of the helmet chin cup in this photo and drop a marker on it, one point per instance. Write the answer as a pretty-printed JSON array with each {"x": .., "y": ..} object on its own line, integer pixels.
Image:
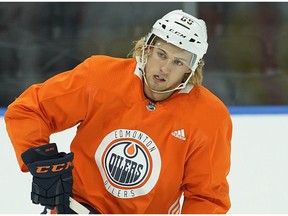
[{"x": 184, "y": 31}]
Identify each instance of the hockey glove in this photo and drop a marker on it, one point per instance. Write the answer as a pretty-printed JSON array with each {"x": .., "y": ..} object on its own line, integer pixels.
[{"x": 52, "y": 176}]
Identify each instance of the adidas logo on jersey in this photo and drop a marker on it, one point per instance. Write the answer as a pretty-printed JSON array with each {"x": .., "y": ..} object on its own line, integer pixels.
[{"x": 180, "y": 134}]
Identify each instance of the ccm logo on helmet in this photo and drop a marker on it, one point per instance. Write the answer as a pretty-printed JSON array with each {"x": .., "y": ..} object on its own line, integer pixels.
[
  {"x": 54, "y": 168},
  {"x": 177, "y": 33}
]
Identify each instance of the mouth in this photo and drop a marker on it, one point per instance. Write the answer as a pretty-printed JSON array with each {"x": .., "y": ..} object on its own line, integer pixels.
[{"x": 159, "y": 79}]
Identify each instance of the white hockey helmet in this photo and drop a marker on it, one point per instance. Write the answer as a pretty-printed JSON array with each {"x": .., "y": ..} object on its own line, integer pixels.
[{"x": 184, "y": 31}]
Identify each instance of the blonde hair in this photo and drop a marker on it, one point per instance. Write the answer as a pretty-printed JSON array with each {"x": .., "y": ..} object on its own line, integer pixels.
[{"x": 197, "y": 77}]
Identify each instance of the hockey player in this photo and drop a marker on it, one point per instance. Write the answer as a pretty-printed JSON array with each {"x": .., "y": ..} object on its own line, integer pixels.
[{"x": 147, "y": 133}]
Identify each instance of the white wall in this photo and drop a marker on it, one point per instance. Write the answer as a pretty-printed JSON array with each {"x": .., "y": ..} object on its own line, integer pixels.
[
  {"x": 258, "y": 178},
  {"x": 259, "y": 174}
]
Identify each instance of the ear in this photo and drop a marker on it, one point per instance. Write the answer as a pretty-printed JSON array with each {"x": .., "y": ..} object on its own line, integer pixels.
[
  {"x": 149, "y": 50},
  {"x": 189, "y": 71}
]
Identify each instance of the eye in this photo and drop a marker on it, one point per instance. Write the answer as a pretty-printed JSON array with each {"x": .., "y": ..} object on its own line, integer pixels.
[
  {"x": 161, "y": 54},
  {"x": 178, "y": 62}
]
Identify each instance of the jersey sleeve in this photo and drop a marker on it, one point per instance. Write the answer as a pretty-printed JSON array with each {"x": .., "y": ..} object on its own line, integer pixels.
[
  {"x": 55, "y": 105},
  {"x": 205, "y": 186}
]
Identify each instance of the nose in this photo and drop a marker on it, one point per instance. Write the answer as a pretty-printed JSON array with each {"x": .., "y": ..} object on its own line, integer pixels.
[{"x": 166, "y": 66}]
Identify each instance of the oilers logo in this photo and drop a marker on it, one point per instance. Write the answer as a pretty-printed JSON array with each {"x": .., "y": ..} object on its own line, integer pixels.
[
  {"x": 129, "y": 162},
  {"x": 126, "y": 163}
]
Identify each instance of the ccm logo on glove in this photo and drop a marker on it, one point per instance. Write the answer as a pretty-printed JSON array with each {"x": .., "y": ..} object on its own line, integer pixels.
[{"x": 54, "y": 167}]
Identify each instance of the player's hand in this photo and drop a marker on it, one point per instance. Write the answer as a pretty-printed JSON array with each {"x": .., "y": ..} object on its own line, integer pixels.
[{"x": 52, "y": 176}]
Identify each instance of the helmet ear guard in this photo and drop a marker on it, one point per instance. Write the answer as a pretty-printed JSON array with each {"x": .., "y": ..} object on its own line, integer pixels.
[{"x": 184, "y": 31}]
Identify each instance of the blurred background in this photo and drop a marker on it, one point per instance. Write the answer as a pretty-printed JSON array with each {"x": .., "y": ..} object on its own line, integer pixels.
[
  {"x": 246, "y": 66},
  {"x": 246, "y": 63}
]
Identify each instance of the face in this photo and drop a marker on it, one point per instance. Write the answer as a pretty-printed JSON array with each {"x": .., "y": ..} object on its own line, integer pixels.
[{"x": 165, "y": 68}]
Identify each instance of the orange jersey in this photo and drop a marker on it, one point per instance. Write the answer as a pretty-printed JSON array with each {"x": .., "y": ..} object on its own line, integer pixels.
[{"x": 131, "y": 156}]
